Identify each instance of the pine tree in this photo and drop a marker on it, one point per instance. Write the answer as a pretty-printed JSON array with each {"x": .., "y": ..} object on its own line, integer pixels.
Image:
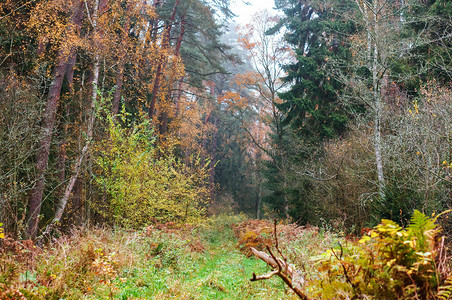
[{"x": 313, "y": 112}]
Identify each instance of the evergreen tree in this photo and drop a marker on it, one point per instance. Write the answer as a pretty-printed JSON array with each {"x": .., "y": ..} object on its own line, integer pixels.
[
  {"x": 317, "y": 33},
  {"x": 426, "y": 27},
  {"x": 313, "y": 113}
]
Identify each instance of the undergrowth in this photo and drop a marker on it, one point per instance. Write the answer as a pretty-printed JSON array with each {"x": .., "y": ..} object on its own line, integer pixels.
[
  {"x": 212, "y": 261},
  {"x": 388, "y": 262},
  {"x": 159, "y": 262}
]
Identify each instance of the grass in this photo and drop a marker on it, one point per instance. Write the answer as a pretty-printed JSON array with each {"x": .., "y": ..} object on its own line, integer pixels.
[
  {"x": 200, "y": 262},
  {"x": 212, "y": 261},
  {"x": 218, "y": 274}
]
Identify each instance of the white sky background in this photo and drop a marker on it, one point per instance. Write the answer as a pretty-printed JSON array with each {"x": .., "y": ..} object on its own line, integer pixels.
[{"x": 245, "y": 12}]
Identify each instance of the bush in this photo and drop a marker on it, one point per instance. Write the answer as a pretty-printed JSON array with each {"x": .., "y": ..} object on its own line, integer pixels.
[
  {"x": 388, "y": 263},
  {"x": 144, "y": 183}
]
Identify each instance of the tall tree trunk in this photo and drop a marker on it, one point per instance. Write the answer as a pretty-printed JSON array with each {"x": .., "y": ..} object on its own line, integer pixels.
[
  {"x": 178, "y": 96},
  {"x": 164, "y": 117},
  {"x": 62, "y": 156},
  {"x": 90, "y": 129},
  {"x": 118, "y": 89},
  {"x": 377, "y": 105},
  {"x": 213, "y": 158},
  {"x": 257, "y": 180},
  {"x": 371, "y": 19},
  {"x": 48, "y": 125}
]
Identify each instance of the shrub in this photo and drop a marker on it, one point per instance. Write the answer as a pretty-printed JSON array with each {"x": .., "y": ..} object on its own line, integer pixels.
[
  {"x": 389, "y": 263},
  {"x": 144, "y": 183}
]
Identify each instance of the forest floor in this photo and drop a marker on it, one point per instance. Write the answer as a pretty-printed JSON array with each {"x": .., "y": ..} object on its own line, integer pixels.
[{"x": 166, "y": 261}]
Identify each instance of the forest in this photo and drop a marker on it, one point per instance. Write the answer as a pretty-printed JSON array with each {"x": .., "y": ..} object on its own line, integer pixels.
[{"x": 156, "y": 149}]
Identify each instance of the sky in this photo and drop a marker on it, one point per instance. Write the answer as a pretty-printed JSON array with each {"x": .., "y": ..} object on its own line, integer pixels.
[{"x": 245, "y": 12}]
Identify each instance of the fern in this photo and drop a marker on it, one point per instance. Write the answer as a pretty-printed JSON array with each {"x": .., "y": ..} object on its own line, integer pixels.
[
  {"x": 423, "y": 228},
  {"x": 420, "y": 222},
  {"x": 445, "y": 291}
]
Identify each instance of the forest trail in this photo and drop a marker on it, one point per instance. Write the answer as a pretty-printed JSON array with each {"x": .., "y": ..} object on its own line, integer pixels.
[
  {"x": 220, "y": 271},
  {"x": 158, "y": 262}
]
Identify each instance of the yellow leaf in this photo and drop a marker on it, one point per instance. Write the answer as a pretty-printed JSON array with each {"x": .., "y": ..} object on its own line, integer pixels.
[
  {"x": 364, "y": 239},
  {"x": 391, "y": 262}
]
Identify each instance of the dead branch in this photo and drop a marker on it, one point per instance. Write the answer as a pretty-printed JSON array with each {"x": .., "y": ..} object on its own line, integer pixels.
[
  {"x": 339, "y": 259},
  {"x": 292, "y": 278},
  {"x": 282, "y": 269},
  {"x": 266, "y": 276}
]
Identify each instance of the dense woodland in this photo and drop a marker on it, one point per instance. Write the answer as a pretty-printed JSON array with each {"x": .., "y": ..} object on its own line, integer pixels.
[{"x": 131, "y": 113}]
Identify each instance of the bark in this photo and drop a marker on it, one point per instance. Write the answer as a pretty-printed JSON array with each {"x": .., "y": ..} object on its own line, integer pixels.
[
  {"x": 48, "y": 125},
  {"x": 291, "y": 277},
  {"x": 258, "y": 180},
  {"x": 177, "y": 97},
  {"x": 62, "y": 156},
  {"x": 370, "y": 15},
  {"x": 181, "y": 36},
  {"x": 90, "y": 129},
  {"x": 77, "y": 202},
  {"x": 213, "y": 160},
  {"x": 118, "y": 89},
  {"x": 377, "y": 107},
  {"x": 164, "y": 118},
  {"x": 70, "y": 72}
]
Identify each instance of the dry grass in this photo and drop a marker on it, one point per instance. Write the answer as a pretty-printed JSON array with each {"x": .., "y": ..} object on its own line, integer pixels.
[{"x": 159, "y": 262}]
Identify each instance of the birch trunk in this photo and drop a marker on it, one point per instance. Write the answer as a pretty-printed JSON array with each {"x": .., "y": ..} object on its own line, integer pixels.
[{"x": 377, "y": 105}]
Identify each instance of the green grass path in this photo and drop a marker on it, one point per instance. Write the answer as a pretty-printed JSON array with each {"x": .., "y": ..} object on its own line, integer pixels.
[{"x": 221, "y": 272}]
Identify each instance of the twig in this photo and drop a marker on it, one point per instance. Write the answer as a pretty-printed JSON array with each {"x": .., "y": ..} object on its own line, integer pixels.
[
  {"x": 14, "y": 10},
  {"x": 277, "y": 246},
  {"x": 414, "y": 284},
  {"x": 343, "y": 266},
  {"x": 262, "y": 277}
]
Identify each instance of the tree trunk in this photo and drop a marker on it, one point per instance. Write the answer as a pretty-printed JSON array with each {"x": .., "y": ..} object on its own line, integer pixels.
[
  {"x": 377, "y": 106},
  {"x": 62, "y": 155},
  {"x": 90, "y": 129},
  {"x": 91, "y": 120},
  {"x": 48, "y": 124},
  {"x": 164, "y": 117},
  {"x": 371, "y": 17},
  {"x": 213, "y": 158},
  {"x": 118, "y": 89}
]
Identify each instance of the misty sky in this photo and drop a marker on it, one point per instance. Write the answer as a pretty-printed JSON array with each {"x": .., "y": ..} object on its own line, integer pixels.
[{"x": 244, "y": 12}]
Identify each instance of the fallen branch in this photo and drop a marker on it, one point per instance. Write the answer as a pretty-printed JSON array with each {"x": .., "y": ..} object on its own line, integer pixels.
[{"x": 292, "y": 278}]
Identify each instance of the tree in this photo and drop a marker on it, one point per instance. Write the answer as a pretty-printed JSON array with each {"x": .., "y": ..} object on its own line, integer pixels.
[
  {"x": 142, "y": 185},
  {"x": 252, "y": 96},
  {"x": 66, "y": 50},
  {"x": 425, "y": 30},
  {"x": 72, "y": 56},
  {"x": 312, "y": 108},
  {"x": 316, "y": 31}
]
